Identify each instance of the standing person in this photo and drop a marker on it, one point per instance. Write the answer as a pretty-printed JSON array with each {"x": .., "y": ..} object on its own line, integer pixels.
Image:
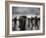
[
  {"x": 36, "y": 22},
  {"x": 15, "y": 21},
  {"x": 32, "y": 23}
]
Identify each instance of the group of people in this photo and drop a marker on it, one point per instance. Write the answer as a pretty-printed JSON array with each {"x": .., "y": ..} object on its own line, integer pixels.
[{"x": 25, "y": 23}]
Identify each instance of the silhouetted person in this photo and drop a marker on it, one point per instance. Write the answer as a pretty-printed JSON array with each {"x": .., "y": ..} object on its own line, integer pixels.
[
  {"x": 36, "y": 22},
  {"x": 32, "y": 22},
  {"x": 15, "y": 21}
]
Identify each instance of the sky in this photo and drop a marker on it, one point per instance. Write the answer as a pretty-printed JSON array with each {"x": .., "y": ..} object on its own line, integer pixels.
[{"x": 26, "y": 10}]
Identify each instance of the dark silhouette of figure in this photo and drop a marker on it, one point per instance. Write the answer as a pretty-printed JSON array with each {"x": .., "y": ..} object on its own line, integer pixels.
[
  {"x": 22, "y": 22},
  {"x": 32, "y": 22},
  {"x": 15, "y": 21},
  {"x": 38, "y": 23}
]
